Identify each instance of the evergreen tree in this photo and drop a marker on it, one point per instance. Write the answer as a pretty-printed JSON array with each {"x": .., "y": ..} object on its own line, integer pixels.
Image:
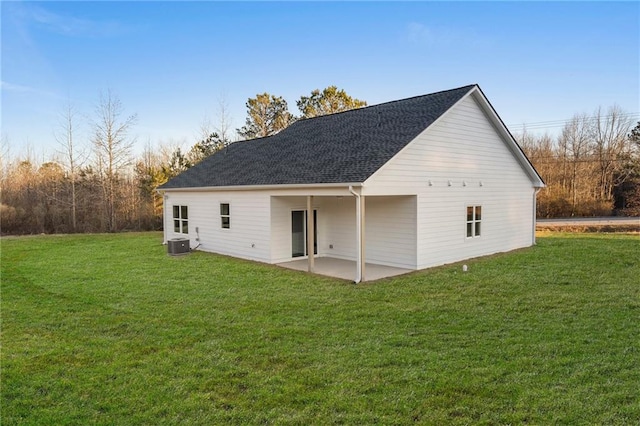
[
  {"x": 329, "y": 101},
  {"x": 266, "y": 116}
]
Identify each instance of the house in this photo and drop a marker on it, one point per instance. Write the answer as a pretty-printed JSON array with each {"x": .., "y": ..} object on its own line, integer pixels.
[{"x": 407, "y": 184}]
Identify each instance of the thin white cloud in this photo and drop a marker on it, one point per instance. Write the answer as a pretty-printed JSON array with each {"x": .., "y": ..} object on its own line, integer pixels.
[
  {"x": 9, "y": 87},
  {"x": 19, "y": 88},
  {"x": 421, "y": 34},
  {"x": 68, "y": 25}
]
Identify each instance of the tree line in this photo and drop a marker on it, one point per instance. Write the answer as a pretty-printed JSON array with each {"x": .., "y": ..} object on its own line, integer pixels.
[
  {"x": 98, "y": 185},
  {"x": 592, "y": 168}
]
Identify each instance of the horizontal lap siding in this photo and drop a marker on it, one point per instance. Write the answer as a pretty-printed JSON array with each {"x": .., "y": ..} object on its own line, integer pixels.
[
  {"x": 390, "y": 237},
  {"x": 248, "y": 236},
  {"x": 461, "y": 148},
  {"x": 281, "y": 208},
  {"x": 337, "y": 226},
  {"x": 335, "y": 220},
  {"x": 506, "y": 225},
  {"x": 280, "y": 229}
]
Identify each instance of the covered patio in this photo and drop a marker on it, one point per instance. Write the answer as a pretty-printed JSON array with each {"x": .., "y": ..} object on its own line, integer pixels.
[
  {"x": 353, "y": 236},
  {"x": 345, "y": 269}
]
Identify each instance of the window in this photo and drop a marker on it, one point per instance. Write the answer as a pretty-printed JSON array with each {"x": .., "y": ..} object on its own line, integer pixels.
[
  {"x": 180, "y": 219},
  {"x": 225, "y": 217},
  {"x": 474, "y": 218}
]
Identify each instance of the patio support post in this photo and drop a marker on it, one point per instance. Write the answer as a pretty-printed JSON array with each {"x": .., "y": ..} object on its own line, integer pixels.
[
  {"x": 362, "y": 239},
  {"x": 359, "y": 235},
  {"x": 310, "y": 233}
]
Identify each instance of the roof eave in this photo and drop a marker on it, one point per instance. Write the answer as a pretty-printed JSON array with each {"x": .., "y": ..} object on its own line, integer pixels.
[{"x": 262, "y": 187}]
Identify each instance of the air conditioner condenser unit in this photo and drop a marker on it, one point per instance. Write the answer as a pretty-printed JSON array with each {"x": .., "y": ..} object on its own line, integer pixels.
[{"x": 177, "y": 246}]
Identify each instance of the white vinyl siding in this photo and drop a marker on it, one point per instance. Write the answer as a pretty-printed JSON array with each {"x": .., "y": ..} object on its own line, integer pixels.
[
  {"x": 280, "y": 229},
  {"x": 390, "y": 236},
  {"x": 337, "y": 225},
  {"x": 461, "y": 161},
  {"x": 248, "y": 238},
  {"x": 281, "y": 208}
]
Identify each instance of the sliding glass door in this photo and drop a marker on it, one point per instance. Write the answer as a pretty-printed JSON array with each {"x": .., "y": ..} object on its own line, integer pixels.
[{"x": 299, "y": 233}]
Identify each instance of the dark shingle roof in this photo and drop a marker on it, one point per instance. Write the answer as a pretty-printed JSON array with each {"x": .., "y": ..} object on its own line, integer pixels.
[{"x": 343, "y": 147}]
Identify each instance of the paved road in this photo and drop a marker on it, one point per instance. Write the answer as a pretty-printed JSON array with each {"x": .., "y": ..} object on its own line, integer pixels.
[{"x": 575, "y": 221}]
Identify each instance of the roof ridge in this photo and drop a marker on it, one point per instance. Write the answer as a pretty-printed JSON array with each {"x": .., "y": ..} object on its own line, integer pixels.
[
  {"x": 301, "y": 119},
  {"x": 344, "y": 147},
  {"x": 388, "y": 102}
]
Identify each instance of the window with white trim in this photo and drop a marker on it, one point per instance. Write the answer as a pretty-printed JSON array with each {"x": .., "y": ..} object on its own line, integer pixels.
[
  {"x": 225, "y": 216},
  {"x": 474, "y": 221},
  {"x": 181, "y": 219}
]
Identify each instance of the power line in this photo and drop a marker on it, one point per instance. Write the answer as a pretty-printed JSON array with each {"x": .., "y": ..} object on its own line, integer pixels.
[{"x": 537, "y": 125}]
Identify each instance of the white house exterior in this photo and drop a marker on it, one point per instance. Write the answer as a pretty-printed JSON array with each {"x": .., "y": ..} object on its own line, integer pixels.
[{"x": 458, "y": 187}]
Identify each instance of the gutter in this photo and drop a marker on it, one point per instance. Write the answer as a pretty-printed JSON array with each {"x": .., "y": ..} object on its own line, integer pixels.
[
  {"x": 262, "y": 187},
  {"x": 358, "y": 236},
  {"x": 164, "y": 216}
]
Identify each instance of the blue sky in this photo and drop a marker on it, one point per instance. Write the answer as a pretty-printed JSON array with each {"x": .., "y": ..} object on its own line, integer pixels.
[{"x": 171, "y": 62}]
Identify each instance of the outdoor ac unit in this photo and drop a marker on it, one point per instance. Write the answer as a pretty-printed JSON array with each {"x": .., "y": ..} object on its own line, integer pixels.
[{"x": 178, "y": 246}]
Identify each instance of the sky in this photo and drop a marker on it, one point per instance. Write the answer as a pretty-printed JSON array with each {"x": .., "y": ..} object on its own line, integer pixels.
[{"x": 173, "y": 63}]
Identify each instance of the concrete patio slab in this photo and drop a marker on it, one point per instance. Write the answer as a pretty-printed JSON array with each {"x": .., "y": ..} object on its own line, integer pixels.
[{"x": 345, "y": 269}]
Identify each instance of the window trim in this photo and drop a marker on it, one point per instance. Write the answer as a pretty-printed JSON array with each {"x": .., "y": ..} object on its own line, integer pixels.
[
  {"x": 225, "y": 216},
  {"x": 180, "y": 222},
  {"x": 475, "y": 222}
]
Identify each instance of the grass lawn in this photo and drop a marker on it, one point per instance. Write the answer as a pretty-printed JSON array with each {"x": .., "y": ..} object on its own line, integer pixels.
[{"x": 108, "y": 329}]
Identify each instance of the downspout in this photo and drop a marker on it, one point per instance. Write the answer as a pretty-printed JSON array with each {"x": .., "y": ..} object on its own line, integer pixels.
[
  {"x": 164, "y": 217},
  {"x": 535, "y": 201},
  {"x": 358, "y": 236}
]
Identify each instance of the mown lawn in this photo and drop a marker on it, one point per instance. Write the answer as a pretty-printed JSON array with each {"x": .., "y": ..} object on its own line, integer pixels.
[{"x": 108, "y": 329}]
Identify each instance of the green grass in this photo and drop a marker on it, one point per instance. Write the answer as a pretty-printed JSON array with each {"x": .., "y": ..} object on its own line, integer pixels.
[{"x": 108, "y": 329}]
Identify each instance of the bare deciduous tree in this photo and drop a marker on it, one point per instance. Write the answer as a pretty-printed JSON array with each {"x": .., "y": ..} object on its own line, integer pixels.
[
  {"x": 593, "y": 168},
  {"x": 223, "y": 127},
  {"x": 65, "y": 136},
  {"x": 575, "y": 141},
  {"x": 611, "y": 145},
  {"x": 112, "y": 149}
]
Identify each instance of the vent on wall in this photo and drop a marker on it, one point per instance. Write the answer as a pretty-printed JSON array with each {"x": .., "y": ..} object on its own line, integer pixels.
[{"x": 178, "y": 246}]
